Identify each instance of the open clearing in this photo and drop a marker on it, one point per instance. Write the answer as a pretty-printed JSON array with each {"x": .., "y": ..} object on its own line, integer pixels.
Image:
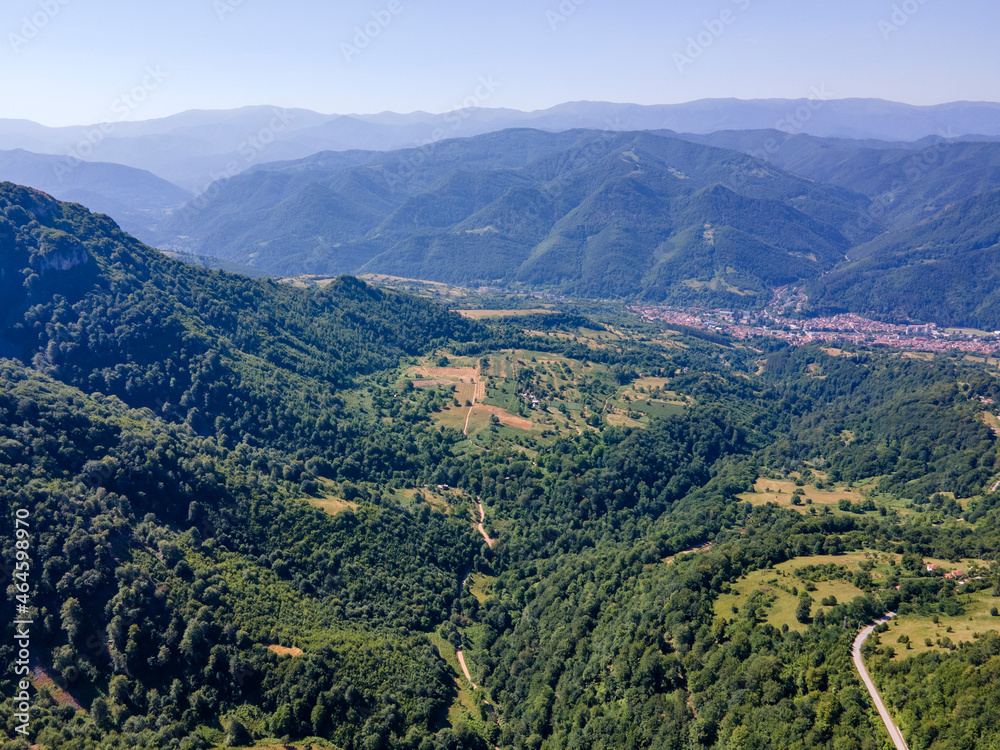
[
  {"x": 478, "y": 586},
  {"x": 616, "y": 419},
  {"x": 331, "y": 505},
  {"x": 649, "y": 383},
  {"x": 992, "y": 421},
  {"x": 964, "y": 627},
  {"x": 40, "y": 679},
  {"x": 780, "y": 581},
  {"x": 780, "y": 491},
  {"x": 465, "y": 700},
  {"x": 438, "y": 498},
  {"x": 485, "y": 314},
  {"x": 286, "y": 651}
]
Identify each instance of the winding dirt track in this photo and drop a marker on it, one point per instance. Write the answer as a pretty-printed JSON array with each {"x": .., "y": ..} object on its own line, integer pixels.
[
  {"x": 890, "y": 725},
  {"x": 458, "y": 652},
  {"x": 490, "y": 542},
  {"x": 465, "y": 669},
  {"x": 482, "y": 520}
]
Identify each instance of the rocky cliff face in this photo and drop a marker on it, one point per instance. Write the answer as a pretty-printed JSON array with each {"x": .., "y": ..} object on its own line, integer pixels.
[
  {"x": 39, "y": 254},
  {"x": 58, "y": 251}
]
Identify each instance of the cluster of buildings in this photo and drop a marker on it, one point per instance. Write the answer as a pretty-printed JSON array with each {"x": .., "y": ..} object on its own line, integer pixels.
[
  {"x": 846, "y": 328},
  {"x": 953, "y": 575}
]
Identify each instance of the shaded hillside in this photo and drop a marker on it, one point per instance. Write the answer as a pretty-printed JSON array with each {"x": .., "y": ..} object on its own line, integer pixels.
[
  {"x": 945, "y": 269},
  {"x": 908, "y": 182},
  {"x": 596, "y": 214},
  {"x": 97, "y": 308},
  {"x": 136, "y": 199}
]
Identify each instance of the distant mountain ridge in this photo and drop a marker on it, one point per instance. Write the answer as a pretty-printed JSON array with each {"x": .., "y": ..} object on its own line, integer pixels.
[
  {"x": 853, "y": 198},
  {"x": 598, "y": 214},
  {"x": 908, "y": 182},
  {"x": 137, "y": 199},
  {"x": 193, "y": 148}
]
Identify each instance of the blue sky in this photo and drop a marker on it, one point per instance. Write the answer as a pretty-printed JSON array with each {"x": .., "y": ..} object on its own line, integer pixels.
[{"x": 76, "y": 61}]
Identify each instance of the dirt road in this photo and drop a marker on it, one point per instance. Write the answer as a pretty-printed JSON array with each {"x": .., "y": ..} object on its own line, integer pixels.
[
  {"x": 465, "y": 581},
  {"x": 478, "y": 395},
  {"x": 465, "y": 669},
  {"x": 482, "y": 520},
  {"x": 890, "y": 725}
]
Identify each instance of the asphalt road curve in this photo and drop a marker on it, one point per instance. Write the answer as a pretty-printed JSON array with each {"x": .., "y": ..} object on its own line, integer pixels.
[{"x": 894, "y": 733}]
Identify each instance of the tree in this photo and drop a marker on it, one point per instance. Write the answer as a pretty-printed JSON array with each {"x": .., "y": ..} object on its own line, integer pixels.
[
  {"x": 72, "y": 618},
  {"x": 281, "y": 722},
  {"x": 319, "y": 718},
  {"x": 237, "y": 734},
  {"x": 803, "y": 609},
  {"x": 100, "y": 714}
]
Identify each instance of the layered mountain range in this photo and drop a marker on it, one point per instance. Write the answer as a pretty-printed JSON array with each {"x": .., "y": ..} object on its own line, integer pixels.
[{"x": 709, "y": 216}]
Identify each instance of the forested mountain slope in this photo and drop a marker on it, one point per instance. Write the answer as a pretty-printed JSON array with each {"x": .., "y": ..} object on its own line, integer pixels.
[
  {"x": 138, "y": 200},
  {"x": 908, "y": 182},
  {"x": 101, "y": 311},
  {"x": 591, "y": 213},
  {"x": 945, "y": 269},
  {"x": 251, "y": 519}
]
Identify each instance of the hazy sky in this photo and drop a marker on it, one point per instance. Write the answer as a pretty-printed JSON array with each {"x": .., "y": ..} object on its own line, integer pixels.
[{"x": 82, "y": 61}]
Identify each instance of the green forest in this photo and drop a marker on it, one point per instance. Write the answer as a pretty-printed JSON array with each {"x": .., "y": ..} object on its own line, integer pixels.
[{"x": 254, "y": 513}]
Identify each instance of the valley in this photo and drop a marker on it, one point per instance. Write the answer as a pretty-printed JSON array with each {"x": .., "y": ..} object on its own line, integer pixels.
[
  {"x": 500, "y": 376},
  {"x": 640, "y": 488}
]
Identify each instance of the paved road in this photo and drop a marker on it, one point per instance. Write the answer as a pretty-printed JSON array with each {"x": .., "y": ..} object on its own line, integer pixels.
[{"x": 894, "y": 733}]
